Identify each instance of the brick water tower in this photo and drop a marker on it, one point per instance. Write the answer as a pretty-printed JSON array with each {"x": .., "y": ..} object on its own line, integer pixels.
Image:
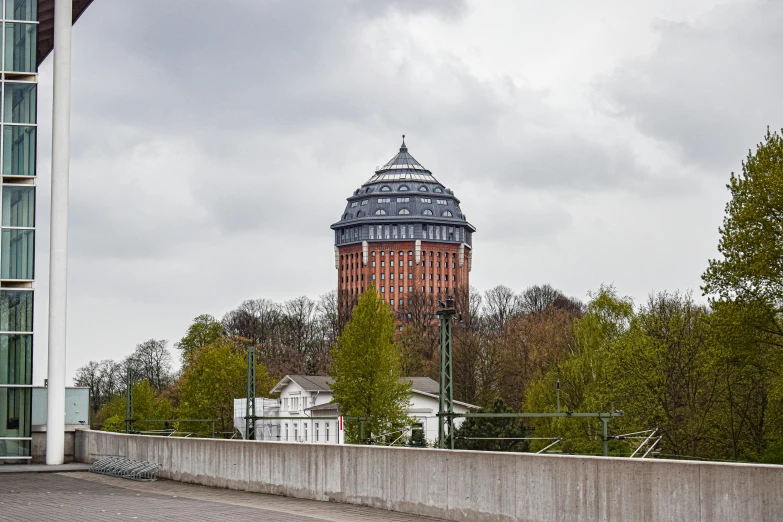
[{"x": 404, "y": 232}]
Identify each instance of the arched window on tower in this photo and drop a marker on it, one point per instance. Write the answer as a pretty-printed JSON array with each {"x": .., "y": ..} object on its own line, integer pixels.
[
  {"x": 422, "y": 189},
  {"x": 404, "y": 211},
  {"x": 386, "y": 188},
  {"x": 403, "y": 188},
  {"x": 346, "y": 215},
  {"x": 427, "y": 212},
  {"x": 381, "y": 212},
  {"x": 438, "y": 190},
  {"x": 360, "y": 213},
  {"x": 446, "y": 213}
]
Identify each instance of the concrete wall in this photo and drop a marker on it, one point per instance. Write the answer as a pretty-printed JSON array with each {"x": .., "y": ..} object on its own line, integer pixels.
[{"x": 463, "y": 485}]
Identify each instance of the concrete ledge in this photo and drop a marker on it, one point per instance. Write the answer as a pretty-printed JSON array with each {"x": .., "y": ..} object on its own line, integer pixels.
[{"x": 462, "y": 485}]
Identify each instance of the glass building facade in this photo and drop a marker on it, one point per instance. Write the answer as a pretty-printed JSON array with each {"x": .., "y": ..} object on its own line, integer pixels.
[{"x": 18, "y": 129}]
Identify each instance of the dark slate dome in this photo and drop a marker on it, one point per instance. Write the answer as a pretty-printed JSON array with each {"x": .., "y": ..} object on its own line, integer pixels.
[{"x": 403, "y": 192}]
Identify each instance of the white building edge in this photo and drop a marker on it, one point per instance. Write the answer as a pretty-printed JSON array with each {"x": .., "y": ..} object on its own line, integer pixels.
[{"x": 307, "y": 413}]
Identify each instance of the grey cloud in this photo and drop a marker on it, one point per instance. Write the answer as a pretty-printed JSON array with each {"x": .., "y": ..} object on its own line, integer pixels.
[{"x": 710, "y": 87}]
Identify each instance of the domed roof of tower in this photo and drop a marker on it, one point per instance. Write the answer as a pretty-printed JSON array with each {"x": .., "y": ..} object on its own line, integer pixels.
[{"x": 402, "y": 166}]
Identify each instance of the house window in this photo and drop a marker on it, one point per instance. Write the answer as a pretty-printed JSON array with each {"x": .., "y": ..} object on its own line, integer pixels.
[
  {"x": 327, "y": 431},
  {"x": 317, "y": 438},
  {"x": 410, "y": 275},
  {"x": 383, "y": 288},
  {"x": 372, "y": 233},
  {"x": 373, "y": 264},
  {"x": 391, "y": 276},
  {"x": 403, "y": 200},
  {"x": 354, "y": 203},
  {"x": 296, "y": 432},
  {"x": 286, "y": 431},
  {"x": 383, "y": 263},
  {"x": 373, "y": 275},
  {"x": 381, "y": 212},
  {"x": 383, "y": 276},
  {"x": 305, "y": 431},
  {"x": 410, "y": 289},
  {"x": 365, "y": 201},
  {"x": 391, "y": 301},
  {"x": 426, "y": 200},
  {"x": 401, "y": 290}
]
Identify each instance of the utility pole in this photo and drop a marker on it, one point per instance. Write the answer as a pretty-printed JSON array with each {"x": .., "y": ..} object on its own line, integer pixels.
[
  {"x": 250, "y": 406},
  {"x": 129, "y": 401},
  {"x": 446, "y": 395}
]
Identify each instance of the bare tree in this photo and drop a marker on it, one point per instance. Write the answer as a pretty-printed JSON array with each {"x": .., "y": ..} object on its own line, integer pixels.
[
  {"x": 152, "y": 361},
  {"x": 500, "y": 305}
]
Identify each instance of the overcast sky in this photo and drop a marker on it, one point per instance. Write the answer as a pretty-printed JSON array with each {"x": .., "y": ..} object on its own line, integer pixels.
[{"x": 214, "y": 143}]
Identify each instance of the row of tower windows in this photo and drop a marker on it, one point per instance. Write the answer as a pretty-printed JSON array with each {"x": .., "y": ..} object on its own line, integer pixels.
[
  {"x": 432, "y": 290},
  {"x": 372, "y": 232},
  {"x": 432, "y": 253},
  {"x": 351, "y": 279},
  {"x": 399, "y": 200},
  {"x": 405, "y": 212}
]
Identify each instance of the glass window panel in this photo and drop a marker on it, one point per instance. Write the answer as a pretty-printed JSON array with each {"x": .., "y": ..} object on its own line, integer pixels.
[
  {"x": 14, "y": 421},
  {"x": 20, "y": 47},
  {"x": 16, "y": 359},
  {"x": 18, "y": 206},
  {"x": 19, "y": 105},
  {"x": 21, "y": 10},
  {"x": 19, "y": 151},
  {"x": 16, "y": 311},
  {"x": 16, "y": 259}
]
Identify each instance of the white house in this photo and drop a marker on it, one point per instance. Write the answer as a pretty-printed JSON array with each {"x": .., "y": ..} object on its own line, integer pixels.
[{"x": 307, "y": 401}]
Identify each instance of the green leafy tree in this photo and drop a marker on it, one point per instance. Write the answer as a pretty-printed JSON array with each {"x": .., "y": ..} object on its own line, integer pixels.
[
  {"x": 366, "y": 371},
  {"x": 751, "y": 238},
  {"x": 147, "y": 404},
  {"x": 582, "y": 376},
  {"x": 204, "y": 331},
  {"x": 509, "y": 428},
  {"x": 216, "y": 375}
]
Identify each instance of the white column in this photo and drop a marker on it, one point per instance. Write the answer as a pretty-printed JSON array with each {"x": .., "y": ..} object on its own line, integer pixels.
[{"x": 58, "y": 243}]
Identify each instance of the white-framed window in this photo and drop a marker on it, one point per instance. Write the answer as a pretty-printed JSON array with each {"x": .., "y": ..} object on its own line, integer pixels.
[
  {"x": 305, "y": 431},
  {"x": 327, "y": 431},
  {"x": 426, "y": 200},
  {"x": 441, "y": 202},
  {"x": 403, "y": 200},
  {"x": 286, "y": 431},
  {"x": 317, "y": 437},
  {"x": 384, "y": 200},
  {"x": 296, "y": 432}
]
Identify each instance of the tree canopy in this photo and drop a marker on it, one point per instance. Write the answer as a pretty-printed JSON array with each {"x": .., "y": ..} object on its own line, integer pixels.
[{"x": 366, "y": 371}]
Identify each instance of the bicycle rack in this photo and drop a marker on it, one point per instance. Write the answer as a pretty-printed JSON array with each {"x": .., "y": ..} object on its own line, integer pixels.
[{"x": 126, "y": 468}]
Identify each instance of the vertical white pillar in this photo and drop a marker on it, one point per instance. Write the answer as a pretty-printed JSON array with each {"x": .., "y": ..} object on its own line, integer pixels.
[{"x": 58, "y": 243}]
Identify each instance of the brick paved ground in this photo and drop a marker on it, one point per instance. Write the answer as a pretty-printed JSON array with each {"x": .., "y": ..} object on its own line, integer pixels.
[{"x": 89, "y": 497}]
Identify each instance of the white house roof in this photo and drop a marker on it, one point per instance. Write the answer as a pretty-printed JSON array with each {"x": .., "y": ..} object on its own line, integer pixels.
[{"x": 318, "y": 383}]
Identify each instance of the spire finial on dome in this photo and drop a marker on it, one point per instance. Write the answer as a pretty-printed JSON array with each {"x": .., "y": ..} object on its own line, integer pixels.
[{"x": 403, "y": 147}]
